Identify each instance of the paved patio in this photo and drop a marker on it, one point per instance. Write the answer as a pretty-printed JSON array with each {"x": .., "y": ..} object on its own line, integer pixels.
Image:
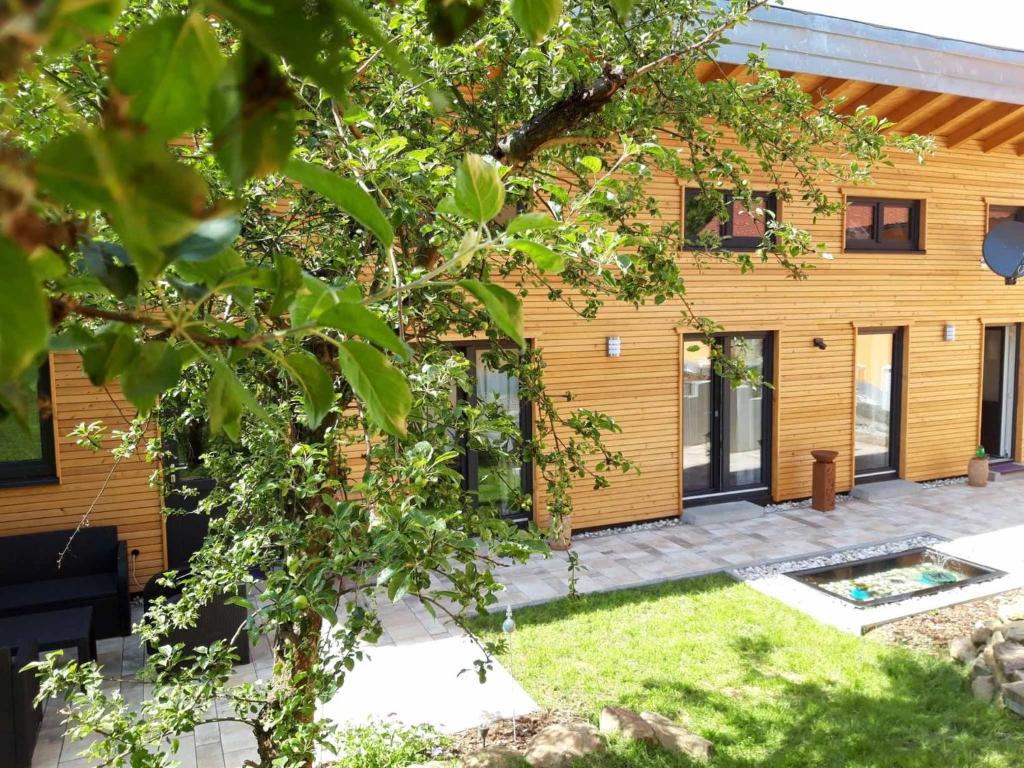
[{"x": 615, "y": 560}]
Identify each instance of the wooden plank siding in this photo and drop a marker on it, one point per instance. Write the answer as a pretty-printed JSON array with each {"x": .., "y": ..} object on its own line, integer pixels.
[
  {"x": 814, "y": 389},
  {"x": 125, "y": 500}
]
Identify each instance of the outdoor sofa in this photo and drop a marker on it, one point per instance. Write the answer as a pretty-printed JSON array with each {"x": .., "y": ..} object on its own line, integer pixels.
[
  {"x": 19, "y": 716},
  {"x": 35, "y": 578}
]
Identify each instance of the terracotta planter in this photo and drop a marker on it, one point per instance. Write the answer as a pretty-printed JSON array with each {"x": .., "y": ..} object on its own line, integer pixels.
[
  {"x": 561, "y": 535},
  {"x": 977, "y": 472}
]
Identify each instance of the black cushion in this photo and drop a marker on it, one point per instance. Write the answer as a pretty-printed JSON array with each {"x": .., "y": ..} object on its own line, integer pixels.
[
  {"x": 21, "y": 598},
  {"x": 37, "y": 557}
]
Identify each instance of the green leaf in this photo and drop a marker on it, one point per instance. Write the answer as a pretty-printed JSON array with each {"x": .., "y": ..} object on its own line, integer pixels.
[
  {"x": 108, "y": 354},
  {"x": 221, "y": 367},
  {"x": 154, "y": 370},
  {"x": 591, "y": 163},
  {"x": 287, "y": 282},
  {"x": 502, "y": 305},
  {"x": 224, "y": 406},
  {"x": 379, "y": 385},
  {"x": 356, "y": 320},
  {"x": 209, "y": 239},
  {"x": 309, "y": 34},
  {"x": 315, "y": 383},
  {"x": 152, "y": 200},
  {"x": 545, "y": 258},
  {"x": 67, "y": 24},
  {"x": 24, "y": 313},
  {"x": 622, "y": 7},
  {"x": 252, "y": 116},
  {"x": 211, "y": 271},
  {"x": 448, "y": 19},
  {"x": 344, "y": 193},
  {"x": 312, "y": 298},
  {"x": 109, "y": 263},
  {"x": 479, "y": 191},
  {"x": 528, "y": 221},
  {"x": 168, "y": 68},
  {"x": 536, "y": 17}
]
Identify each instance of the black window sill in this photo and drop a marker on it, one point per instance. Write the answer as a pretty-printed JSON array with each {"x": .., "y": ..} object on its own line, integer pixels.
[
  {"x": 17, "y": 482},
  {"x": 887, "y": 251}
]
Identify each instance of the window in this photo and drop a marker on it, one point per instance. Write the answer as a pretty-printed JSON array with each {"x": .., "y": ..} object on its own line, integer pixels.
[
  {"x": 883, "y": 225},
  {"x": 27, "y": 456},
  {"x": 741, "y": 230},
  {"x": 997, "y": 214},
  {"x": 499, "y": 481}
]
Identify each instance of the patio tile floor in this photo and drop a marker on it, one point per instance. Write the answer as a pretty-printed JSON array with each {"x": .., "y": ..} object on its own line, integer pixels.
[{"x": 615, "y": 560}]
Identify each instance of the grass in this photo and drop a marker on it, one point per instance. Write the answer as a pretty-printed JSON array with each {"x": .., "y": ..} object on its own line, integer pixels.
[{"x": 768, "y": 685}]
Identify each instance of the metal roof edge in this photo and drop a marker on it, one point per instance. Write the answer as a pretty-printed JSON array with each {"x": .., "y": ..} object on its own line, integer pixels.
[{"x": 801, "y": 41}]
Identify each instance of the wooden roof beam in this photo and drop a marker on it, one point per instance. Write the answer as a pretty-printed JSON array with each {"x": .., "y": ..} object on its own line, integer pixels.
[
  {"x": 869, "y": 99},
  {"x": 945, "y": 116},
  {"x": 1014, "y": 129},
  {"x": 978, "y": 125},
  {"x": 918, "y": 101},
  {"x": 829, "y": 89},
  {"x": 720, "y": 71}
]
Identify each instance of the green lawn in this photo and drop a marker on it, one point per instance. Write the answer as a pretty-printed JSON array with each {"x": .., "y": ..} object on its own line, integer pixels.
[{"x": 768, "y": 685}]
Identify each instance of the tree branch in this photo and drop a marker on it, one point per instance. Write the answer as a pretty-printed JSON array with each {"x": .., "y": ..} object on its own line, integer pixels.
[{"x": 558, "y": 119}]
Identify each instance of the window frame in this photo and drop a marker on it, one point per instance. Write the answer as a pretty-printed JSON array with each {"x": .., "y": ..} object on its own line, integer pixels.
[
  {"x": 469, "y": 461},
  {"x": 876, "y": 244},
  {"x": 730, "y": 243},
  {"x": 43, "y": 470}
]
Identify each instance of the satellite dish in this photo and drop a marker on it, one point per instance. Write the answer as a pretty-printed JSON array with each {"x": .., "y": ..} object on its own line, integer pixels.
[{"x": 1004, "y": 250}]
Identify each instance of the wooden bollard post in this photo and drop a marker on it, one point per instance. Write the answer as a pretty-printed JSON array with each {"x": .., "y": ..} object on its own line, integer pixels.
[{"x": 823, "y": 481}]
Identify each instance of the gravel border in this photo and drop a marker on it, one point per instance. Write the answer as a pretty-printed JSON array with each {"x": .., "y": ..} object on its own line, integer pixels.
[{"x": 836, "y": 557}]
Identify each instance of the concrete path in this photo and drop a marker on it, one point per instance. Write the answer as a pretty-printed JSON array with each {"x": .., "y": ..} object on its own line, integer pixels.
[{"x": 433, "y": 682}]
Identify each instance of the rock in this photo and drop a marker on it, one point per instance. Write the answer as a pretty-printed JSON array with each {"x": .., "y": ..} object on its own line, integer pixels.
[
  {"x": 627, "y": 723},
  {"x": 1014, "y": 632},
  {"x": 981, "y": 634},
  {"x": 431, "y": 764},
  {"x": 1011, "y": 612},
  {"x": 1013, "y": 697},
  {"x": 979, "y": 668},
  {"x": 675, "y": 738},
  {"x": 984, "y": 688},
  {"x": 492, "y": 758},
  {"x": 555, "y": 746},
  {"x": 997, "y": 637},
  {"x": 962, "y": 649},
  {"x": 1009, "y": 656}
]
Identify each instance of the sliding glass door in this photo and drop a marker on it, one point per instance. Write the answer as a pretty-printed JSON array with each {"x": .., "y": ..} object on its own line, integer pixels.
[
  {"x": 726, "y": 428},
  {"x": 877, "y": 424},
  {"x": 998, "y": 390}
]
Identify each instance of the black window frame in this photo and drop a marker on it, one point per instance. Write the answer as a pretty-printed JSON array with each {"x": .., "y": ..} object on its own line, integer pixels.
[
  {"x": 44, "y": 469},
  {"x": 730, "y": 243},
  {"x": 876, "y": 243},
  {"x": 469, "y": 463}
]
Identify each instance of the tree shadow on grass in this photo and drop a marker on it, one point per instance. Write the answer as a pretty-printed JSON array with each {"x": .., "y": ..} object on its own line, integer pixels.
[{"x": 924, "y": 718}]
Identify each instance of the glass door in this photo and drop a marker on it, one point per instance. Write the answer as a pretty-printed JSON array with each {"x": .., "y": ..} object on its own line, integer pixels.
[
  {"x": 726, "y": 428},
  {"x": 879, "y": 387},
  {"x": 998, "y": 390},
  {"x": 500, "y": 479}
]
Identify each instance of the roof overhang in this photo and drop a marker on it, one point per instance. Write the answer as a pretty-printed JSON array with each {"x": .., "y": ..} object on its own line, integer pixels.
[{"x": 798, "y": 41}]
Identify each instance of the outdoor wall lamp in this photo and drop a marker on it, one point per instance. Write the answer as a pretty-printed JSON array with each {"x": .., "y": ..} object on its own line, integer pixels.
[
  {"x": 819, "y": 342},
  {"x": 614, "y": 346}
]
